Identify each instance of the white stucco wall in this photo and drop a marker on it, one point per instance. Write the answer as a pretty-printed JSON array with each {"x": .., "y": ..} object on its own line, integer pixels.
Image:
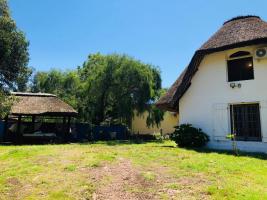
[{"x": 206, "y": 103}]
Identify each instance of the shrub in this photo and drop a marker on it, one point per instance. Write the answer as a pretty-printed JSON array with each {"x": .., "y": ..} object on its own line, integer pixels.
[{"x": 186, "y": 135}]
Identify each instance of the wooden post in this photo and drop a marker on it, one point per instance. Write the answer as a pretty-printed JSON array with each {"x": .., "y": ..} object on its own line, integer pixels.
[
  {"x": 64, "y": 129},
  {"x": 68, "y": 128},
  {"x": 33, "y": 123},
  {"x": 19, "y": 134},
  {"x": 5, "y": 129},
  {"x": 64, "y": 120}
]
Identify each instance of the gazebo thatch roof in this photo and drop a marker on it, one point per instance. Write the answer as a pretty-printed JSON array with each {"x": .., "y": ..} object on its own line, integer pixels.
[
  {"x": 237, "y": 32},
  {"x": 40, "y": 104}
]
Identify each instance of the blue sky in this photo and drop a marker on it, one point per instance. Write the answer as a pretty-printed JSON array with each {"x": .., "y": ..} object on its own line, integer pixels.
[{"x": 62, "y": 33}]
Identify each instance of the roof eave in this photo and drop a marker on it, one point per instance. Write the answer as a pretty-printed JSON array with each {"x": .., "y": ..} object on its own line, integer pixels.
[
  {"x": 193, "y": 67},
  {"x": 56, "y": 114}
]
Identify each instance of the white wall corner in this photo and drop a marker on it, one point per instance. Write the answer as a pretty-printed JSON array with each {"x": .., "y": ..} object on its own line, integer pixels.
[
  {"x": 264, "y": 139},
  {"x": 220, "y": 138}
]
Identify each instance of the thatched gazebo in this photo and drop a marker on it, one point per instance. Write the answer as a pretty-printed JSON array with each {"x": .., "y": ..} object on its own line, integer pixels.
[{"x": 39, "y": 116}]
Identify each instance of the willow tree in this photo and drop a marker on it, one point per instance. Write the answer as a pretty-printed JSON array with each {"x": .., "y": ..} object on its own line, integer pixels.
[
  {"x": 65, "y": 85},
  {"x": 116, "y": 87},
  {"x": 13, "y": 57}
]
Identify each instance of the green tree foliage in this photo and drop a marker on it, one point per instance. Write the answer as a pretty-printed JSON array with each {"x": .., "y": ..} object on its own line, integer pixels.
[
  {"x": 155, "y": 115},
  {"x": 6, "y": 101},
  {"x": 117, "y": 85},
  {"x": 23, "y": 80},
  {"x": 14, "y": 58},
  {"x": 66, "y": 85},
  {"x": 107, "y": 88},
  {"x": 14, "y": 55}
]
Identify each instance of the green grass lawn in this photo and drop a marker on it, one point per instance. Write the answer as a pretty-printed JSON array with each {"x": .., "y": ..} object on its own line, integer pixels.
[{"x": 74, "y": 171}]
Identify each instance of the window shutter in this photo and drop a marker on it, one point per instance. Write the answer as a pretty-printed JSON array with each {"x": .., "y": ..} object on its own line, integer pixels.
[{"x": 220, "y": 121}]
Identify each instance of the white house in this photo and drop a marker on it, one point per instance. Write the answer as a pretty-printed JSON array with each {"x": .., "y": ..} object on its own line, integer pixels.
[{"x": 224, "y": 88}]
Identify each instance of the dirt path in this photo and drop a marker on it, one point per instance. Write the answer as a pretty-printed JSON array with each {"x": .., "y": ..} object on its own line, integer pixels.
[{"x": 121, "y": 181}]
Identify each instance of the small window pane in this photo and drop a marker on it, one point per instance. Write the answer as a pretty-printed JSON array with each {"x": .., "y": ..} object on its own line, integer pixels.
[{"x": 240, "y": 69}]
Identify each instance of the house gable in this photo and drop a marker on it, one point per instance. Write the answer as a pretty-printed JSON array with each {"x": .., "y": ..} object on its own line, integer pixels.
[
  {"x": 206, "y": 103},
  {"x": 235, "y": 33}
]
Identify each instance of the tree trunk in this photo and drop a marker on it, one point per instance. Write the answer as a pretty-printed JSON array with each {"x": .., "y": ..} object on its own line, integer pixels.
[{"x": 101, "y": 116}]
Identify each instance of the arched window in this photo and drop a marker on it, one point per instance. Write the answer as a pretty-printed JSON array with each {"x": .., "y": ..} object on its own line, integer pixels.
[
  {"x": 239, "y": 54},
  {"x": 240, "y": 66}
]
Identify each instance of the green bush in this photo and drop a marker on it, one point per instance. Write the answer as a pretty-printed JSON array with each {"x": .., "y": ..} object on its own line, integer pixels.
[{"x": 186, "y": 135}]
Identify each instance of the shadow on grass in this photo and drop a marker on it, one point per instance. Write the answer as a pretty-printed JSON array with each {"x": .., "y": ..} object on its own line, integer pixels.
[
  {"x": 262, "y": 156},
  {"x": 122, "y": 142},
  {"x": 257, "y": 155},
  {"x": 105, "y": 142}
]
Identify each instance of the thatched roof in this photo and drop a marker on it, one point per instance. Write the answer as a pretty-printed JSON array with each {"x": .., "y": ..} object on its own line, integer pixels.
[
  {"x": 40, "y": 104},
  {"x": 237, "y": 32}
]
